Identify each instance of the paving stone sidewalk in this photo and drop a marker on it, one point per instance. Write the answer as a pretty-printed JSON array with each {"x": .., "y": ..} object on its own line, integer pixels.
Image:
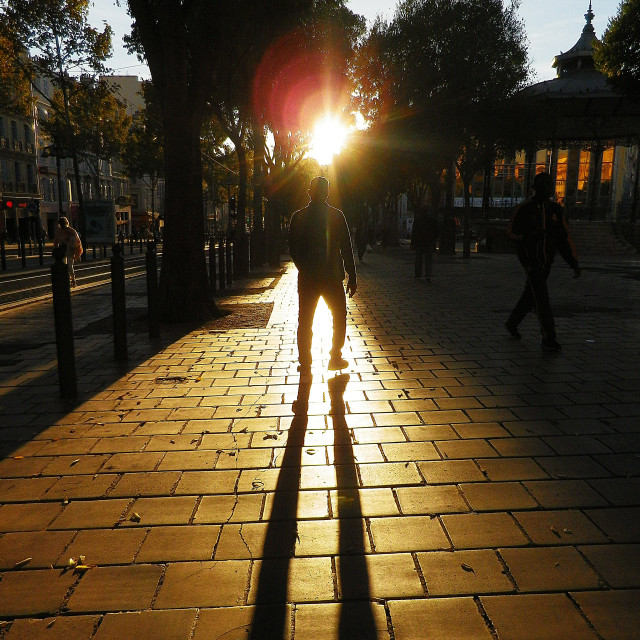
[{"x": 452, "y": 484}]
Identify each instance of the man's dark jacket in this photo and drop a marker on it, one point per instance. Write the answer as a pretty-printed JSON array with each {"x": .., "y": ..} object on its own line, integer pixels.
[
  {"x": 540, "y": 229},
  {"x": 320, "y": 244}
]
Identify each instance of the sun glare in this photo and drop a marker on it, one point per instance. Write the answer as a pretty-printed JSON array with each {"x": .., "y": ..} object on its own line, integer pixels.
[{"x": 328, "y": 139}]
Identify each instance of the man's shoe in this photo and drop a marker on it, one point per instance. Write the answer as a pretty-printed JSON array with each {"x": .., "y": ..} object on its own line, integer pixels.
[
  {"x": 512, "y": 331},
  {"x": 337, "y": 363},
  {"x": 551, "y": 345}
]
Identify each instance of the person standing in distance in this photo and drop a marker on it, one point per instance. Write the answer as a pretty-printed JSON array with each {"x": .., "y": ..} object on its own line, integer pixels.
[
  {"x": 320, "y": 246},
  {"x": 539, "y": 229},
  {"x": 68, "y": 237}
]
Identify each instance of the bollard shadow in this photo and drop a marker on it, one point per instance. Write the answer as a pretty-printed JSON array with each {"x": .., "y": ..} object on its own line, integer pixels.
[
  {"x": 270, "y": 614},
  {"x": 356, "y": 615}
]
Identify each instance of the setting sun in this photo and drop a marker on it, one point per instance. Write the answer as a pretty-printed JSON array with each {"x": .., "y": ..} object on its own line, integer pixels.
[{"x": 328, "y": 139}]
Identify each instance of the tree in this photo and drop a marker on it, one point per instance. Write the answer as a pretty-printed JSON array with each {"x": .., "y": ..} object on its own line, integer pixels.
[
  {"x": 15, "y": 90},
  {"x": 59, "y": 40},
  {"x": 99, "y": 124},
  {"x": 189, "y": 46},
  {"x": 441, "y": 67},
  {"x": 143, "y": 152},
  {"x": 618, "y": 53}
]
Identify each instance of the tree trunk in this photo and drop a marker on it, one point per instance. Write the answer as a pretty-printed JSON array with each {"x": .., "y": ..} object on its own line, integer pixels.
[
  {"x": 185, "y": 294},
  {"x": 241, "y": 241},
  {"x": 466, "y": 234},
  {"x": 448, "y": 232},
  {"x": 257, "y": 230}
]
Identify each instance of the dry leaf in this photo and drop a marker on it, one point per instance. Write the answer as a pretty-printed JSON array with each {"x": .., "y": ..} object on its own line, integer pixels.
[
  {"x": 311, "y": 451},
  {"x": 135, "y": 517},
  {"x": 83, "y": 567},
  {"x": 567, "y": 530},
  {"x": 22, "y": 563},
  {"x": 75, "y": 462},
  {"x": 257, "y": 484},
  {"x": 18, "y": 457},
  {"x": 467, "y": 567},
  {"x": 51, "y": 624},
  {"x": 72, "y": 564},
  {"x": 555, "y": 532}
]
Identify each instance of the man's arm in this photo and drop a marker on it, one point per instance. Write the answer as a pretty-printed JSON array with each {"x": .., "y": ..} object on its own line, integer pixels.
[
  {"x": 346, "y": 251},
  {"x": 294, "y": 239},
  {"x": 565, "y": 246}
]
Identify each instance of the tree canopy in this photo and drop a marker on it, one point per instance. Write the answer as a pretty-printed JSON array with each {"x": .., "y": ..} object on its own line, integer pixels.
[{"x": 618, "y": 53}]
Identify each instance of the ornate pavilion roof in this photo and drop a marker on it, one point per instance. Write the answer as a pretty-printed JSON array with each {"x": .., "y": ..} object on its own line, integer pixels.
[{"x": 580, "y": 105}]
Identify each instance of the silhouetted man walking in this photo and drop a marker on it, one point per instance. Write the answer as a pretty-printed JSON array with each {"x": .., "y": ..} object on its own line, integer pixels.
[
  {"x": 539, "y": 228},
  {"x": 320, "y": 246}
]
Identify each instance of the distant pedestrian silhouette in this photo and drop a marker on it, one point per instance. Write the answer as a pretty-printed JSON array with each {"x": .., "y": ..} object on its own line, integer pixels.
[
  {"x": 66, "y": 236},
  {"x": 424, "y": 234},
  {"x": 539, "y": 228},
  {"x": 320, "y": 246}
]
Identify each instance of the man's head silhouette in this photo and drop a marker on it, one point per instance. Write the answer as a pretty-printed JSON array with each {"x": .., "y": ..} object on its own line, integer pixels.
[
  {"x": 543, "y": 185},
  {"x": 319, "y": 189}
]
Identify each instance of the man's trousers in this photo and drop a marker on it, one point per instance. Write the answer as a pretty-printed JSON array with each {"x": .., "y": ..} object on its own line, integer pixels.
[
  {"x": 309, "y": 292},
  {"x": 535, "y": 297}
]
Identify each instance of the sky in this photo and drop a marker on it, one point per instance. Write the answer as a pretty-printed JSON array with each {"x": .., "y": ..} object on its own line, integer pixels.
[{"x": 551, "y": 26}]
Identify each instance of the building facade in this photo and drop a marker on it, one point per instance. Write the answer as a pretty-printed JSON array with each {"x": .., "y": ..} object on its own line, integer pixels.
[{"x": 587, "y": 140}]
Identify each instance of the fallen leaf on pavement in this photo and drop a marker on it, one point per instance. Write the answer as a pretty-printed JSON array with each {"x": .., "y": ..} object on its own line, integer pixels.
[{"x": 22, "y": 563}]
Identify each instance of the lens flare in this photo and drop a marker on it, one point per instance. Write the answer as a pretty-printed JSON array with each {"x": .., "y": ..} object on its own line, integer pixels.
[{"x": 328, "y": 139}]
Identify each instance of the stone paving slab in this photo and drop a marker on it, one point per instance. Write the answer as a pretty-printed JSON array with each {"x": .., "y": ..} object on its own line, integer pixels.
[{"x": 457, "y": 484}]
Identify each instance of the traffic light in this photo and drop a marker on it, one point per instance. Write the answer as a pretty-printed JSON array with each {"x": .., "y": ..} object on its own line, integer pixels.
[{"x": 6, "y": 204}]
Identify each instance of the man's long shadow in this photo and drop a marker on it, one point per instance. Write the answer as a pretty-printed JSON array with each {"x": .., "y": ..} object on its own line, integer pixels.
[{"x": 356, "y": 615}]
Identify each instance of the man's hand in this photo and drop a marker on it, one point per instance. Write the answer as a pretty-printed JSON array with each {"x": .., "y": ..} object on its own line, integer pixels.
[
  {"x": 352, "y": 287},
  {"x": 577, "y": 271}
]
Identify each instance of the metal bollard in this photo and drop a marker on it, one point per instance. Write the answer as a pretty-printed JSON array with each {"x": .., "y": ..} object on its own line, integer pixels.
[
  {"x": 212, "y": 265},
  {"x": 152, "y": 291},
  {"x": 23, "y": 252},
  {"x": 3, "y": 251},
  {"x": 131, "y": 245},
  {"x": 41, "y": 251},
  {"x": 63, "y": 325},
  {"x": 119, "y": 304},
  {"x": 104, "y": 251},
  {"x": 229, "y": 253},
  {"x": 94, "y": 251},
  {"x": 141, "y": 243},
  {"x": 222, "y": 280}
]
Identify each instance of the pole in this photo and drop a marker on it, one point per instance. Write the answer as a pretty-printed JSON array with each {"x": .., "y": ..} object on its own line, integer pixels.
[
  {"x": 152, "y": 291},
  {"x": 119, "y": 304},
  {"x": 212, "y": 264},
  {"x": 229, "y": 254},
  {"x": 3, "y": 251},
  {"x": 63, "y": 325},
  {"x": 222, "y": 279}
]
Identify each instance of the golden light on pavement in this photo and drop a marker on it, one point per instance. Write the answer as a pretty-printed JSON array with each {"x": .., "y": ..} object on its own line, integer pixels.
[{"x": 328, "y": 139}]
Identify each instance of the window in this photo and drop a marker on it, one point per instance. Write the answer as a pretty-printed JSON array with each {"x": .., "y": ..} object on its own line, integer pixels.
[
  {"x": 561, "y": 174},
  {"x": 583, "y": 177},
  {"x": 605, "y": 175}
]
